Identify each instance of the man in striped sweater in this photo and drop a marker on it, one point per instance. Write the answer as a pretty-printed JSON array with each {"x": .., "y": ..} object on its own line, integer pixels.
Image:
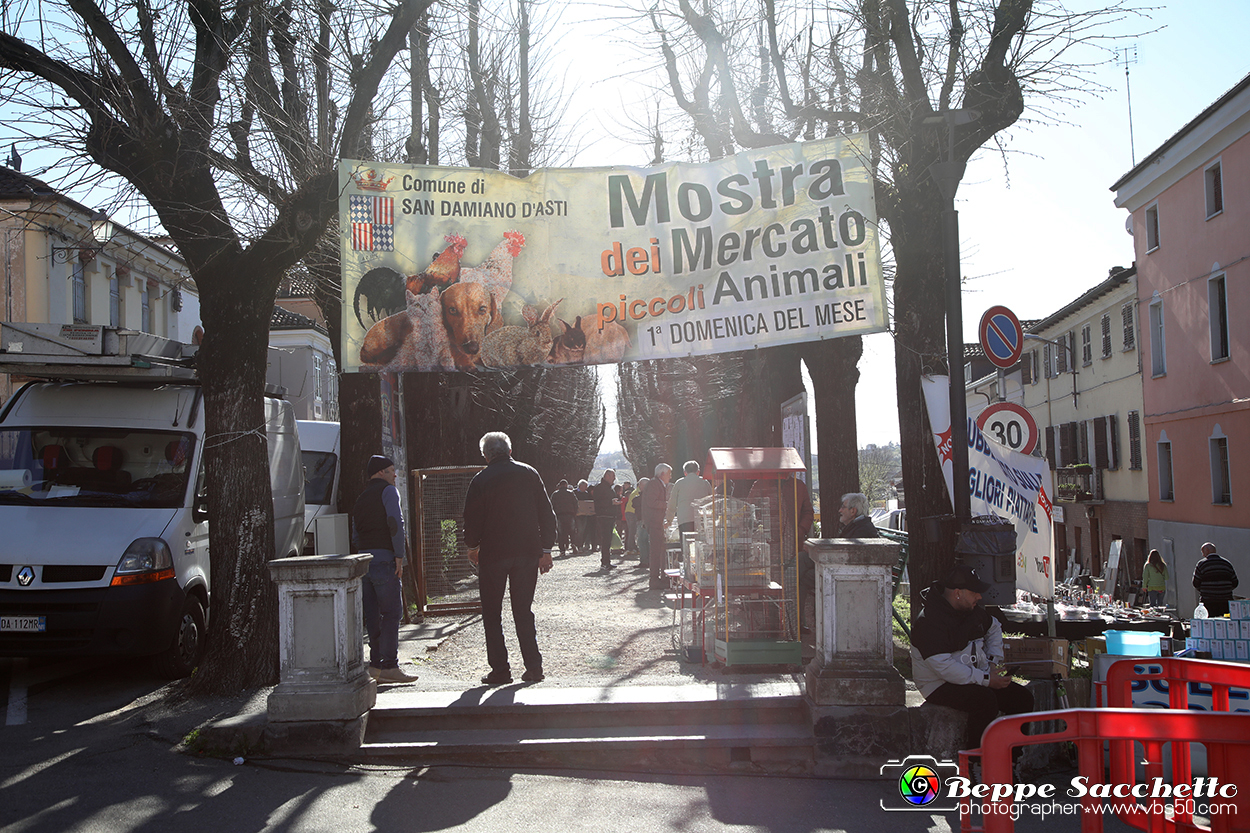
[{"x": 1215, "y": 579}]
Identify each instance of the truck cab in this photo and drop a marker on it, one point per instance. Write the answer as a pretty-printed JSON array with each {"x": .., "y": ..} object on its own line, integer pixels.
[{"x": 105, "y": 538}]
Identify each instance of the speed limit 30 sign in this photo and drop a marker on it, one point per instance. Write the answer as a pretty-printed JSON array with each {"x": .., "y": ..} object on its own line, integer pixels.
[{"x": 1009, "y": 425}]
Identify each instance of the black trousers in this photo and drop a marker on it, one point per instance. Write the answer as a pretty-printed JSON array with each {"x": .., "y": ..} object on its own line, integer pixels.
[
  {"x": 566, "y": 524},
  {"x": 604, "y": 524},
  {"x": 522, "y": 575},
  {"x": 982, "y": 704}
]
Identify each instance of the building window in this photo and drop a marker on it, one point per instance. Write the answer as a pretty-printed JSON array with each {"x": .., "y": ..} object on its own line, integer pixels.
[
  {"x": 1113, "y": 437},
  {"x": 1105, "y": 323},
  {"x": 1221, "y": 477},
  {"x": 1158, "y": 355},
  {"x": 1166, "y": 491},
  {"x": 145, "y": 307},
  {"x": 1152, "y": 227},
  {"x": 1217, "y": 312},
  {"x": 1061, "y": 356},
  {"x": 1087, "y": 346},
  {"x": 1213, "y": 180},
  {"x": 1048, "y": 361},
  {"x": 1027, "y": 376},
  {"x": 1134, "y": 440},
  {"x": 1130, "y": 338},
  {"x": 80, "y": 293}
]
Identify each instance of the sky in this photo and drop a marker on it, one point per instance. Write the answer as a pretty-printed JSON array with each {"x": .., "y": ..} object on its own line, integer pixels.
[{"x": 1039, "y": 229}]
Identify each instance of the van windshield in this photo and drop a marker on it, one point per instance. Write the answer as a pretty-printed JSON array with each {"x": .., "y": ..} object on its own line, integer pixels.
[{"x": 79, "y": 466}]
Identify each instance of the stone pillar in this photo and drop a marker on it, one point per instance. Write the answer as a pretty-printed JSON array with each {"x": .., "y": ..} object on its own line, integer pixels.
[
  {"x": 854, "y": 662},
  {"x": 325, "y": 692}
]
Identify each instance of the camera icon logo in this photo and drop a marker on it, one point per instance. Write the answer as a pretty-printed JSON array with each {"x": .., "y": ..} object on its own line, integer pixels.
[{"x": 918, "y": 780}]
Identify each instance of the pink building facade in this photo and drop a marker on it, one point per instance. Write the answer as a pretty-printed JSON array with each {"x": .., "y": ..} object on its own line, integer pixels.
[{"x": 1190, "y": 206}]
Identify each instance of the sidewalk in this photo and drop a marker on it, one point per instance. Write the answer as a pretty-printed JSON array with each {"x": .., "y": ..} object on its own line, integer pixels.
[{"x": 596, "y": 629}]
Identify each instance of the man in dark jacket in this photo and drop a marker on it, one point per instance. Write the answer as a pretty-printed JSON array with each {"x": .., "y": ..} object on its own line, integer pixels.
[
  {"x": 853, "y": 515},
  {"x": 607, "y": 508},
  {"x": 378, "y": 529},
  {"x": 654, "y": 505},
  {"x": 957, "y": 653},
  {"x": 510, "y": 528},
  {"x": 1215, "y": 580},
  {"x": 564, "y": 502}
]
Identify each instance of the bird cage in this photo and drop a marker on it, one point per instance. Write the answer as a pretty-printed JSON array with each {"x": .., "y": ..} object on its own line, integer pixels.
[{"x": 754, "y": 560}]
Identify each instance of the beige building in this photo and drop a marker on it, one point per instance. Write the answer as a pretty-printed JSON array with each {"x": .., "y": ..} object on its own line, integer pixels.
[
  {"x": 1080, "y": 379},
  {"x": 65, "y": 264}
]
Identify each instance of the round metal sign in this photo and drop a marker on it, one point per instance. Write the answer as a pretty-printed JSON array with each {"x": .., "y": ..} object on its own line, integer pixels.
[
  {"x": 1009, "y": 425},
  {"x": 1002, "y": 337}
]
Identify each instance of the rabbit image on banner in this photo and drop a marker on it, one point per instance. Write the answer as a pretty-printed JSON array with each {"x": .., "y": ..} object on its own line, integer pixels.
[{"x": 512, "y": 346}]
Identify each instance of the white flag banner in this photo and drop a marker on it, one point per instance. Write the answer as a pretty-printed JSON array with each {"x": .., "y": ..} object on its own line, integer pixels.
[{"x": 1001, "y": 482}]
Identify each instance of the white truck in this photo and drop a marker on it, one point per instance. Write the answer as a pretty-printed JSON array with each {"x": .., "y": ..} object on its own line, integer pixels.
[
  {"x": 104, "y": 544},
  {"x": 325, "y": 529}
]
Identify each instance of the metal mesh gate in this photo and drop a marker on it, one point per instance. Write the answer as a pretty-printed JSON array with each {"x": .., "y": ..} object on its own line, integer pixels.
[{"x": 446, "y": 582}]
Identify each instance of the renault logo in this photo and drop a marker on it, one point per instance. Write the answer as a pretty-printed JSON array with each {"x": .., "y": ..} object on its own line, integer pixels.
[{"x": 25, "y": 576}]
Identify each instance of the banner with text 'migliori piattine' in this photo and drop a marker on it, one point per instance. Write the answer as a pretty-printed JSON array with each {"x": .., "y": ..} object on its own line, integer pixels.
[{"x": 463, "y": 268}]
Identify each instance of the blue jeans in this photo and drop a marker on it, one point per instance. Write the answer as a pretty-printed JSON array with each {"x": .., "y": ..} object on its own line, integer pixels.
[
  {"x": 1154, "y": 598},
  {"x": 382, "y": 603}
]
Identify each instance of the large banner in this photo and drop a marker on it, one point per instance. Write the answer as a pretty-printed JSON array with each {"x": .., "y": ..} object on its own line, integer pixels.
[
  {"x": 463, "y": 268},
  {"x": 1001, "y": 482}
]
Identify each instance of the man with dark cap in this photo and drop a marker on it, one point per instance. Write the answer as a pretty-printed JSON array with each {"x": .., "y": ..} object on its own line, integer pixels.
[
  {"x": 957, "y": 653},
  {"x": 509, "y": 528},
  {"x": 378, "y": 529}
]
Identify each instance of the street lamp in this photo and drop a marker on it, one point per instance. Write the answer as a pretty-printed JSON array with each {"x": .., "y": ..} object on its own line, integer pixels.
[
  {"x": 101, "y": 233},
  {"x": 1071, "y": 351}
]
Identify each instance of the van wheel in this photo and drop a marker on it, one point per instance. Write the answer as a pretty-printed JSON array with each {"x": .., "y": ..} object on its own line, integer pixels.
[{"x": 180, "y": 659}]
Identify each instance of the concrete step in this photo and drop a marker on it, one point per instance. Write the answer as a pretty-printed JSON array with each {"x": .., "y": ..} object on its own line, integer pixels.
[{"x": 761, "y": 727}]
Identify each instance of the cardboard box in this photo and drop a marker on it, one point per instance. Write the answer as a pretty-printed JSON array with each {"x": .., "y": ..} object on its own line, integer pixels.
[
  {"x": 1217, "y": 649},
  {"x": 1245, "y": 629},
  {"x": 1037, "y": 657},
  {"x": 1095, "y": 645},
  {"x": 1221, "y": 629}
]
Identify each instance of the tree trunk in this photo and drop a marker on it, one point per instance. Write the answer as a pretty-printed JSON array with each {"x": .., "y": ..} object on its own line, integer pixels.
[
  {"x": 833, "y": 368},
  {"x": 243, "y": 617}
]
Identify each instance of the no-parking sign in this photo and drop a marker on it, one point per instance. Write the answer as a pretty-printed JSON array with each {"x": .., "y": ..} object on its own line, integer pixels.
[
  {"x": 1009, "y": 425},
  {"x": 1002, "y": 337}
]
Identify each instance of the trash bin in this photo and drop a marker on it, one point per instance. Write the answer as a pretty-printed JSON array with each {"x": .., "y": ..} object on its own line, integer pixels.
[{"x": 988, "y": 545}]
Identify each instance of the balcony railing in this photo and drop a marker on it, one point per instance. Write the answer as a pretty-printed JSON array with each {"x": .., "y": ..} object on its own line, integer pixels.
[{"x": 1080, "y": 483}]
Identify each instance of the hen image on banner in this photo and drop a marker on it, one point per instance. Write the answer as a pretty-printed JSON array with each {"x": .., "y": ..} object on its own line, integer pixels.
[
  {"x": 472, "y": 269},
  {"x": 918, "y": 781}
]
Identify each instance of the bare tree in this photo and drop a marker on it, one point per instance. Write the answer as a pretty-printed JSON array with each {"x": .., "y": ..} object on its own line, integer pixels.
[
  {"x": 179, "y": 102},
  {"x": 890, "y": 68}
]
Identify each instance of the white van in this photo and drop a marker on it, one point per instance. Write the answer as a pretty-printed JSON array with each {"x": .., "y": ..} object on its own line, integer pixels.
[
  {"x": 323, "y": 526},
  {"x": 103, "y": 523}
]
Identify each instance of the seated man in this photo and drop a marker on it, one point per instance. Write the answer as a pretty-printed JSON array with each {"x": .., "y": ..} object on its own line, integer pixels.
[{"x": 957, "y": 652}]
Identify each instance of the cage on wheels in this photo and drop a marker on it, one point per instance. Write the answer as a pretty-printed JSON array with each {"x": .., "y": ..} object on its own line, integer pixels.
[
  {"x": 447, "y": 582},
  {"x": 754, "y": 545}
]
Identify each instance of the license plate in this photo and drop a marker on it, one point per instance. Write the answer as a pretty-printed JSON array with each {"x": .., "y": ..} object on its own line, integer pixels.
[{"x": 26, "y": 624}]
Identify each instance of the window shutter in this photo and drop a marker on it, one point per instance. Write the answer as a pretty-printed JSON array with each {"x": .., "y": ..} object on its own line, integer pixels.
[
  {"x": 1134, "y": 440},
  {"x": 1100, "y": 443},
  {"x": 1050, "y": 445},
  {"x": 1126, "y": 315},
  {"x": 1113, "y": 435},
  {"x": 1106, "y": 336},
  {"x": 1026, "y": 367},
  {"x": 1067, "y": 444}
]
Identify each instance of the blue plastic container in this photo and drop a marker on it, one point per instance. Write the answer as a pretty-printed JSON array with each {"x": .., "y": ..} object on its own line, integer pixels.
[{"x": 1133, "y": 643}]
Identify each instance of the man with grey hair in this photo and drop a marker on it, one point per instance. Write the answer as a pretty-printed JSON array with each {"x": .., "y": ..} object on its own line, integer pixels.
[
  {"x": 654, "y": 505},
  {"x": 684, "y": 493},
  {"x": 510, "y": 529},
  {"x": 853, "y": 515}
]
